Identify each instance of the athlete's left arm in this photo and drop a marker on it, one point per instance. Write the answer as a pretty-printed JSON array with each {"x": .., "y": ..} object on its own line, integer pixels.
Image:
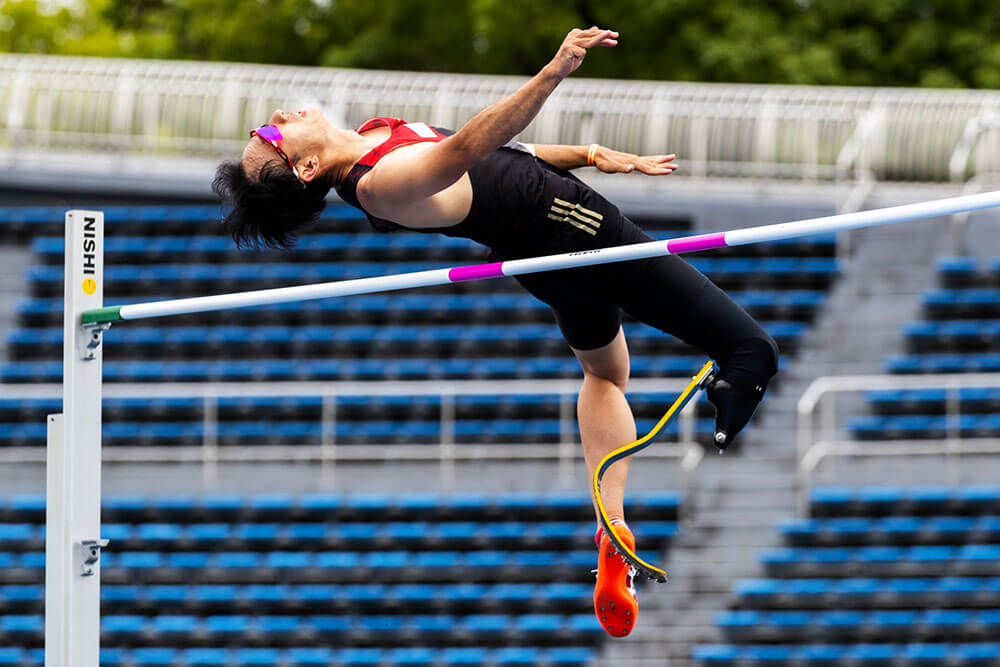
[{"x": 605, "y": 159}]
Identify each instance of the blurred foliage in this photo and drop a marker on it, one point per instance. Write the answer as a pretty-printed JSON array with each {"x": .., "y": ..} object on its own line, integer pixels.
[{"x": 941, "y": 43}]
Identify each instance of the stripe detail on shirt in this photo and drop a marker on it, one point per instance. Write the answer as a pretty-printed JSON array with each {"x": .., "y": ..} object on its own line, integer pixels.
[{"x": 576, "y": 215}]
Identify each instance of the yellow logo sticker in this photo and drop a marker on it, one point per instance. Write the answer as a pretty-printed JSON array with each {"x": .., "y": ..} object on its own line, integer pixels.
[{"x": 89, "y": 285}]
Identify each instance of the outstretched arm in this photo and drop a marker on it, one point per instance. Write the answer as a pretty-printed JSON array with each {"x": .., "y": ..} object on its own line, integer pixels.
[
  {"x": 605, "y": 159},
  {"x": 444, "y": 163}
]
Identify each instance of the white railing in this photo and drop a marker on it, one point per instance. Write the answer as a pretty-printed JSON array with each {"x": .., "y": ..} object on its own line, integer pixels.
[
  {"x": 819, "y": 436},
  {"x": 170, "y": 108},
  {"x": 447, "y": 452}
]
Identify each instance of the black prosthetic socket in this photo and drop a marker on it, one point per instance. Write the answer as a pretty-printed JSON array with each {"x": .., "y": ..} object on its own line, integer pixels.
[
  {"x": 734, "y": 406},
  {"x": 740, "y": 385}
]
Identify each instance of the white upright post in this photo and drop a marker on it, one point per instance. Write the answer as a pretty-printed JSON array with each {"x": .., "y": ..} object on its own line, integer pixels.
[{"x": 73, "y": 462}]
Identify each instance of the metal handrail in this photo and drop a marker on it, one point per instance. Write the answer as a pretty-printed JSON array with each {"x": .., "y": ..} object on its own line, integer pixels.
[
  {"x": 854, "y": 202},
  {"x": 210, "y": 453},
  {"x": 806, "y": 133},
  {"x": 821, "y": 396}
]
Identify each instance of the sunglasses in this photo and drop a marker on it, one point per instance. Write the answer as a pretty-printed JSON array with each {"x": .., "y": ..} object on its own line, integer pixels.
[{"x": 271, "y": 135}]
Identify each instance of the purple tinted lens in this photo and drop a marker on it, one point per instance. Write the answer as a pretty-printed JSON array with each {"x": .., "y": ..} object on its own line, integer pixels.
[{"x": 268, "y": 133}]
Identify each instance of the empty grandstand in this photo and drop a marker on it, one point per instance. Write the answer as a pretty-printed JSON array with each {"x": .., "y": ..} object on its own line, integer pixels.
[{"x": 312, "y": 523}]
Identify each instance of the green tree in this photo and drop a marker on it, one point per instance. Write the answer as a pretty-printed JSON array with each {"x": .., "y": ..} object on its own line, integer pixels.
[{"x": 851, "y": 42}]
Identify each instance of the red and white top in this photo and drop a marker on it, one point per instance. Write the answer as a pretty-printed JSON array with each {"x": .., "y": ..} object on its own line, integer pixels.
[{"x": 401, "y": 133}]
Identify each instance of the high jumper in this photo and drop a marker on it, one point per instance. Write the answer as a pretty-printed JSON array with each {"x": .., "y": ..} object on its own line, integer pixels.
[{"x": 519, "y": 201}]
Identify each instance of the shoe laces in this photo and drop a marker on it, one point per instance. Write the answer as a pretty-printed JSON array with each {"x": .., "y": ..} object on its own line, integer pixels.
[{"x": 630, "y": 581}]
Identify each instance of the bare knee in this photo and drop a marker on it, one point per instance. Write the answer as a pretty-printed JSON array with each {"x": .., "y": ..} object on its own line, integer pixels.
[{"x": 609, "y": 363}]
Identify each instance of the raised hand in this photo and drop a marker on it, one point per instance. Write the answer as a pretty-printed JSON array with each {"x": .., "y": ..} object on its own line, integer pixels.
[
  {"x": 573, "y": 49},
  {"x": 613, "y": 162}
]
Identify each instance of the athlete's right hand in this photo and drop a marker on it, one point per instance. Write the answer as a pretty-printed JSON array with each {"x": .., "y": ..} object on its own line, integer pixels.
[{"x": 574, "y": 48}]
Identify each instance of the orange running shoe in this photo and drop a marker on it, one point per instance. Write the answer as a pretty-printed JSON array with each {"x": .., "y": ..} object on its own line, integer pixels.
[{"x": 615, "y": 601}]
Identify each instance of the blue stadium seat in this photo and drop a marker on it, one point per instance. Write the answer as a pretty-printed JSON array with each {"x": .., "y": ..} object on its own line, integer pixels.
[
  {"x": 434, "y": 628},
  {"x": 486, "y": 628},
  {"x": 464, "y": 657},
  {"x": 413, "y": 657},
  {"x": 109, "y": 657},
  {"x": 316, "y": 597},
  {"x": 457, "y": 535},
  {"x": 570, "y": 656},
  {"x": 21, "y": 599},
  {"x": 359, "y": 657},
  {"x": 20, "y": 537},
  {"x": 716, "y": 655},
  {"x": 565, "y": 595},
  {"x": 872, "y": 654},
  {"x": 257, "y": 657},
  {"x": 415, "y": 596},
  {"x": 463, "y": 595},
  {"x": 205, "y": 657},
  {"x": 979, "y": 499},
  {"x": 270, "y": 506},
  {"x": 154, "y": 657},
  {"x": 517, "y": 656},
  {"x": 279, "y": 628},
  {"x": 768, "y": 655},
  {"x": 310, "y": 657},
  {"x": 957, "y": 271},
  {"x": 120, "y": 629},
  {"x": 170, "y": 628},
  {"x": 330, "y": 629},
  {"x": 232, "y": 628},
  {"x": 513, "y": 597},
  {"x": 540, "y": 628},
  {"x": 822, "y": 655},
  {"x": 978, "y": 654},
  {"x": 215, "y": 596}
]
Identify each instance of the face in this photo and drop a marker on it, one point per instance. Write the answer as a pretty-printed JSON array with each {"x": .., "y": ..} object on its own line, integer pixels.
[{"x": 302, "y": 134}]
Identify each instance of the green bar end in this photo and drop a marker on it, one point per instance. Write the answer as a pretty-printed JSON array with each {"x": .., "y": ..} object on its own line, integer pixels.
[{"x": 101, "y": 315}]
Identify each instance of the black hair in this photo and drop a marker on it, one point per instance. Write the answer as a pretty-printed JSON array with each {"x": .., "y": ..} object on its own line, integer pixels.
[{"x": 271, "y": 211}]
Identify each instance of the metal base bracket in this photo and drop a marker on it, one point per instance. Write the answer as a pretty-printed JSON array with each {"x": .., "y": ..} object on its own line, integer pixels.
[
  {"x": 92, "y": 341},
  {"x": 88, "y": 556}
]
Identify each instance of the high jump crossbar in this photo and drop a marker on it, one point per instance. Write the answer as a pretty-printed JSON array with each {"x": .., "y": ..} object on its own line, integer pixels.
[
  {"x": 73, "y": 455},
  {"x": 570, "y": 260}
]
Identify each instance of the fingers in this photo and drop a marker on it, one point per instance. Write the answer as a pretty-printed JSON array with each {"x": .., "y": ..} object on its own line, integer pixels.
[
  {"x": 594, "y": 36},
  {"x": 601, "y": 38},
  {"x": 657, "y": 164},
  {"x": 648, "y": 166},
  {"x": 653, "y": 165},
  {"x": 612, "y": 161}
]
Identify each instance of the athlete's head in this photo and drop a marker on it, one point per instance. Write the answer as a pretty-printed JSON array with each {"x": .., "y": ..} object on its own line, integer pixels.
[{"x": 279, "y": 185}]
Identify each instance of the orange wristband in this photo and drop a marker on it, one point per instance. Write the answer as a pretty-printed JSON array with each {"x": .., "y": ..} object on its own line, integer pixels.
[{"x": 591, "y": 152}]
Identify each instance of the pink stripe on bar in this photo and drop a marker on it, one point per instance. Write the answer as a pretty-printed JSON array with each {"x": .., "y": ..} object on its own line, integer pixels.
[
  {"x": 700, "y": 242},
  {"x": 475, "y": 272}
]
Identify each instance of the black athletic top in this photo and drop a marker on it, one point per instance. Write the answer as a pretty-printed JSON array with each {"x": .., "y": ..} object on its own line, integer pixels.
[{"x": 522, "y": 206}]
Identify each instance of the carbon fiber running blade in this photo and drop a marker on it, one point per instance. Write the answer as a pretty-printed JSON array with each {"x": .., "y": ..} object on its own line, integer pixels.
[
  {"x": 698, "y": 382},
  {"x": 642, "y": 567}
]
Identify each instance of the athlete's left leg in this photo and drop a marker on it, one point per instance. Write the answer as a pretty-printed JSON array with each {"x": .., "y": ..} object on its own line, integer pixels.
[
  {"x": 606, "y": 422},
  {"x": 594, "y": 333},
  {"x": 605, "y": 419}
]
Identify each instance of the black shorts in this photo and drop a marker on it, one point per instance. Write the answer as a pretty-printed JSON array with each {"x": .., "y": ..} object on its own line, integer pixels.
[{"x": 664, "y": 292}]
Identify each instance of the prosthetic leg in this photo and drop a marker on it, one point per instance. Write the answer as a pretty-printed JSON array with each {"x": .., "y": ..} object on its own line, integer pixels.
[
  {"x": 705, "y": 376},
  {"x": 734, "y": 406}
]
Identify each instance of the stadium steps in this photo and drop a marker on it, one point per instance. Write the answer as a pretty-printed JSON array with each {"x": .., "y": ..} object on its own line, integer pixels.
[{"x": 861, "y": 322}]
